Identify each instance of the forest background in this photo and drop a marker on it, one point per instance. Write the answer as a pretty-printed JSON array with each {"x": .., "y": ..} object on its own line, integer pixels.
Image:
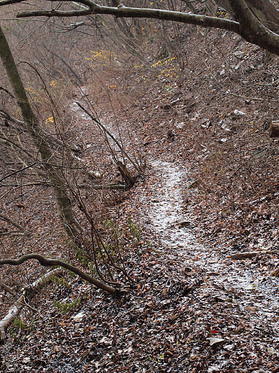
[{"x": 111, "y": 97}]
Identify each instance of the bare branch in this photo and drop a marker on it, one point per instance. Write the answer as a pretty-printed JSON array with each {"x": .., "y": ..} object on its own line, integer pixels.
[
  {"x": 86, "y": 9},
  {"x": 12, "y": 222},
  {"x": 7, "y": 116},
  {"x": 12, "y": 143},
  {"x": 10, "y": 2},
  {"x": 18, "y": 171},
  {"x": 7, "y": 288},
  {"x": 253, "y": 28},
  {"x": 109, "y": 134},
  {"x": 8, "y": 92},
  {"x": 129, "y": 12},
  {"x": 56, "y": 262}
]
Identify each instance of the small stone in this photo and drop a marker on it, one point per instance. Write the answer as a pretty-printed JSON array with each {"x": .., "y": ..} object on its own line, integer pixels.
[
  {"x": 238, "y": 113},
  {"x": 214, "y": 342},
  {"x": 79, "y": 316}
]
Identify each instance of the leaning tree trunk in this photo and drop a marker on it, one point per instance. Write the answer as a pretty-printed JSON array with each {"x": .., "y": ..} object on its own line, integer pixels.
[
  {"x": 251, "y": 28},
  {"x": 264, "y": 10},
  {"x": 52, "y": 169}
]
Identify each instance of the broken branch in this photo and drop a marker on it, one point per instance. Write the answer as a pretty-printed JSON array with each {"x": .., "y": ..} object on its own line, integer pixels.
[{"x": 21, "y": 302}]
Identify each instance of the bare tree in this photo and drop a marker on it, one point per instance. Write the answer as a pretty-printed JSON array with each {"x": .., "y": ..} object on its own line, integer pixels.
[
  {"x": 33, "y": 128},
  {"x": 59, "y": 183},
  {"x": 256, "y": 21}
]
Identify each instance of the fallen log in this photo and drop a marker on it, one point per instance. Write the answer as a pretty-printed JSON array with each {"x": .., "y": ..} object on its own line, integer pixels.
[
  {"x": 41, "y": 281},
  {"x": 20, "y": 303},
  {"x": 8, "y": 319}
]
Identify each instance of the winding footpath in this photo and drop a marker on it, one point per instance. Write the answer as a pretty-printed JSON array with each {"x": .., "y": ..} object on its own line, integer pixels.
[{"x": 162, "y": 210}]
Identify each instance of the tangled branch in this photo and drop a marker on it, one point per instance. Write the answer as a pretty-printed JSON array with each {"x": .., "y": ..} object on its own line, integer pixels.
[{"x": 56, "y": 262}]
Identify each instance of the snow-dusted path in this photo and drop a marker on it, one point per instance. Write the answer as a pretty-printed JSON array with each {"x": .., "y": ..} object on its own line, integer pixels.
[
  {"x": 162, "y": 207},
  {"x": 161, "y": 212}
]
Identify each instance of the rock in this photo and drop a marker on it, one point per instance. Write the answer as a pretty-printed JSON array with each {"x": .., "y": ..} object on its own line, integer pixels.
[
  {"x": 94, "y": 174},
  {"x": 79, "y": 316},
  {"x": 170, "y": 135},
  {"x": 239, "y": 113},
  {"x": 214, "y": 342},
  {"x": 206, "y": 123}
]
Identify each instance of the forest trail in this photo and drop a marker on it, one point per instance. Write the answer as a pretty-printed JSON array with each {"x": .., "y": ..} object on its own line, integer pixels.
[
  {"x": 202, "y": 114},
  {"x": 162, "y": 208},
  {"x": 162, "y": 213}
]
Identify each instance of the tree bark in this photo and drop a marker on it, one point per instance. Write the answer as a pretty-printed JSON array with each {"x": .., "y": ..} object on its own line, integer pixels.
[
  {"x": 266, "y": 12},
  {"x": 11, "y": 315},
  {"x": 53, "y": 171},
  {"x": 253, "y": 30},
  {"x": 20, "y": 303}
]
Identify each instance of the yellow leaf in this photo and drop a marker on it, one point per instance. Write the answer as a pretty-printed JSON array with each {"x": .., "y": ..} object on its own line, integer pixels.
[{"x": 50, "y": 120}]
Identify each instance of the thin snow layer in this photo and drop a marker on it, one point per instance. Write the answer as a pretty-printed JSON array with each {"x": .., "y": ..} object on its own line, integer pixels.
[
  {"x": 166, "y": 211},
  {"x": 81, "y": 114},
  {"x": 166, "y": 217}
]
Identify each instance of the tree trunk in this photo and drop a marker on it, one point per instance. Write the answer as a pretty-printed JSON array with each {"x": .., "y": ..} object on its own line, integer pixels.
[
  {"x": 264, "y": 10},
  {"x": 252, "y": 29},
  {"x": 52, "y": 169}
]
